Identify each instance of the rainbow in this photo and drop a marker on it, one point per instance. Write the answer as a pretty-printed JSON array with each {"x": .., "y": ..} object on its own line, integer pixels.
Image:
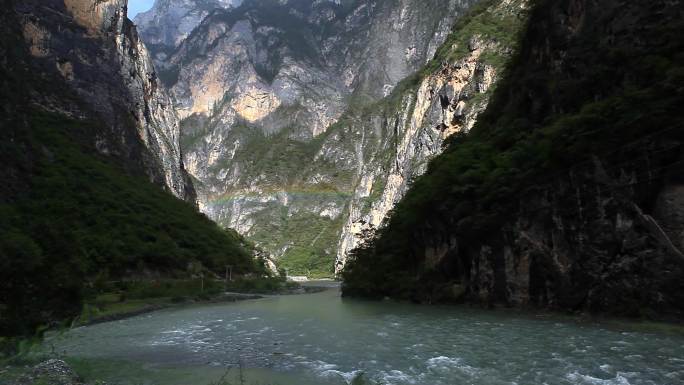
[{"x": 301, "y": 193}]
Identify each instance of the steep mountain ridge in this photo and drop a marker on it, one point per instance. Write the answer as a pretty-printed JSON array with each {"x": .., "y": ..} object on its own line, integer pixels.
[
  {"x": 566, "y": 194},
  {"x": 279, "y": 51},
  {"x": 264, "y": 94},
  {"x": 169, "y": 22}
]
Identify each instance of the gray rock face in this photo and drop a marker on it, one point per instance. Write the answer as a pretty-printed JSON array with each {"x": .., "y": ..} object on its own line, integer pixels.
[
  {"x": 95, "y": 49},
  {"x": 270, "y": 94},
  {"x": 169, "y": 22},
  {"x": 305, "y": 56},
  {"x": 441, "y": 105}
]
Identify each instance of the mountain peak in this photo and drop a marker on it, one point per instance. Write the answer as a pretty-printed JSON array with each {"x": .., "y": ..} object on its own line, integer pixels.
[{"x": 169, "y": 22}]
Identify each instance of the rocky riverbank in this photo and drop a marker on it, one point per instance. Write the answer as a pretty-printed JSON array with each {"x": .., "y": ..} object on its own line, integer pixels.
[{"x": 52, "y": 371}]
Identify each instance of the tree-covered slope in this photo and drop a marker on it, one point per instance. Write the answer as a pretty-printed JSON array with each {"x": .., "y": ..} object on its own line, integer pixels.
[
  {"x": 82, "y": 216},
  {"x": 567, "y": 193}
]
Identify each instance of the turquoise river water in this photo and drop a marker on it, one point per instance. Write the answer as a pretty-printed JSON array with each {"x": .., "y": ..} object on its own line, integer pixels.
[{"x": 322, "y": 339}]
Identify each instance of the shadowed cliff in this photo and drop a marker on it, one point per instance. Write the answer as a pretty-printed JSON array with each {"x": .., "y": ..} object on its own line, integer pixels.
[{"x": 567, "y": 193}]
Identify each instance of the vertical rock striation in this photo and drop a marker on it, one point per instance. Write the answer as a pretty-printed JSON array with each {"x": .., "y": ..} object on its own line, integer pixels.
[{"x": 95, "y": 49}]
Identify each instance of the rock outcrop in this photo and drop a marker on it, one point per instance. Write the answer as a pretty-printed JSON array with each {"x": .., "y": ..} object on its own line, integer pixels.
[
  {"x": 95, "y": 50},
  {"x": 293, "y": 63},
  {"x": 53, "y": 372}
]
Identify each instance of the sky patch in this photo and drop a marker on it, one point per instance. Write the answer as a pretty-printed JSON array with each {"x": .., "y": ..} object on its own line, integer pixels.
[{"x": 137, "y": 6}]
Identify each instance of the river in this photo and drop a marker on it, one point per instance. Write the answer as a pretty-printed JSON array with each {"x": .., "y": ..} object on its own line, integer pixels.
[{"x": 322, "y": 339}]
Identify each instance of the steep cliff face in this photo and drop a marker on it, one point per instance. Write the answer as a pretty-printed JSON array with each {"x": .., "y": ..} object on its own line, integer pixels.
[
  {"x": 96, "y": 52},
  {"x": 566, "y": 192},
  {"x": 444, "y": 99},
  {"x": 280, "y": 121}
]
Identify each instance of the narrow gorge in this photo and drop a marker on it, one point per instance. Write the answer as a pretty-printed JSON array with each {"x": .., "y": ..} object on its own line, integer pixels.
[
  {"x": 341, "y": 192},
  {"x": 302, "y": 122}
]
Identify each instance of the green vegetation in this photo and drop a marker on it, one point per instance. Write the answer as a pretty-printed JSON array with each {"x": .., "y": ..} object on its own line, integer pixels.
[
  {"x": 282, "y": 159},
  {"x": 285, "y": 166},
  {"x": 613, "y": 100},
  {"x": 306, "y": 237},
  {"x": 488, "y": 22},
  {"x": 84, "y": 217},
  {"x": 264, "y": 285},
  {"x": 124, "y": 298},
  {"x": 104, "y": 309},
  {"x": 71, "y": 217}
]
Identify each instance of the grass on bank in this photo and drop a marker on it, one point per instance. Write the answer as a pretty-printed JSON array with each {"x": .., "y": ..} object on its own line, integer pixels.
[
  {"x": 127, "y": 298},
  {"x": 130, "y": 297}
]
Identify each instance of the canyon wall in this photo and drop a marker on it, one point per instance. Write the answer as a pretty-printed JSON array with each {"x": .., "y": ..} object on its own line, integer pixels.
[
  {"x": 565, "y": 194},
  {"x": 96, "y": 51}
]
